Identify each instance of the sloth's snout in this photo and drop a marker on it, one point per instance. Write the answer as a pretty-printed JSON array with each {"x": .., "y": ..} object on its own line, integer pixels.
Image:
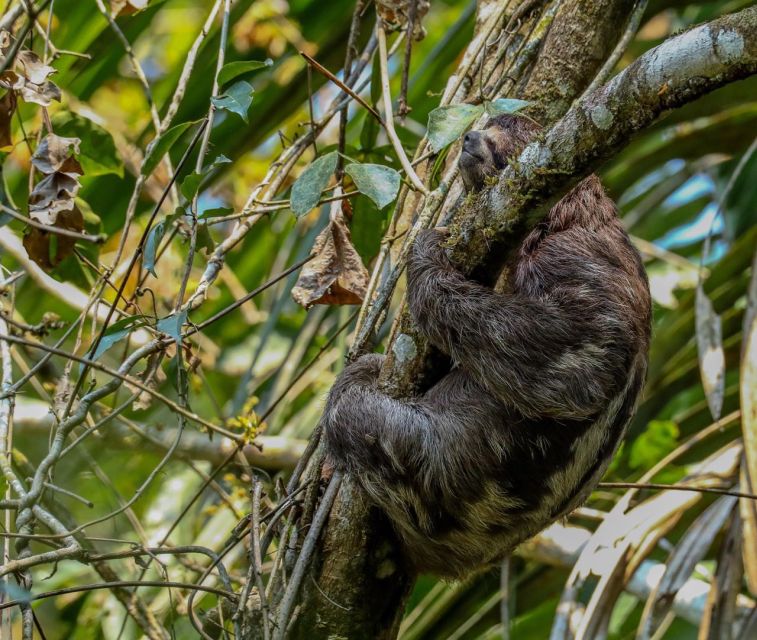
[{"x": 472, "y": 141}]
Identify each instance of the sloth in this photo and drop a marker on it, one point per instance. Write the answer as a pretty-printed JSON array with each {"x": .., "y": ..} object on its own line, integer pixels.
[{"x": 545, "y": 376}]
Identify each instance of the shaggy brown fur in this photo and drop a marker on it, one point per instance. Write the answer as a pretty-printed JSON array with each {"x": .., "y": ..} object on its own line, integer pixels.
[{"x": 544, "y": 382}]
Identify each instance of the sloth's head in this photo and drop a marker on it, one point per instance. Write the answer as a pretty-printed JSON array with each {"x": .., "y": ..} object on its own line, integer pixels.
[{"x": 486, "y": 152}]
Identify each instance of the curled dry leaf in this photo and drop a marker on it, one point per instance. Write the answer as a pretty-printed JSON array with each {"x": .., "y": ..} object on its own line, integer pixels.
[
  {"x": 47, "y": 249},
  {"x": 336, "y": 274},
  {"x": 56, "y": 153},
  {"x": 51, "y": 196},
  {"x": 30, "y": 79},
  {"x": 394, "y": 14},
  {"x": 55, "y": 193},
  {"x": 32, "y": 68},
  {"x": 7, "y": 107}
]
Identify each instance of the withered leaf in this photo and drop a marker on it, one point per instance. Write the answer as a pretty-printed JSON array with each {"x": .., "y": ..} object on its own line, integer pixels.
[
  {"x": 336, "y": 274},
  {"x": 7, "y": 107},
  {"x": 41, "y": 94},
  {"x": 127, "y": 7},
  {"x": 32, "y": 67},
  {"x": 394, "y": 14},
  {"x": 47, "y": 249},
  {"x": 51, "y": 196},
  {"x": 56, "y": 153}
]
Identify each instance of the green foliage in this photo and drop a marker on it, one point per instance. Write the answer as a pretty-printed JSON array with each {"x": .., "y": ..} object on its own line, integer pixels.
[
  {"x": 236, "y": 99},
  {"x": 306, "y": 191}
]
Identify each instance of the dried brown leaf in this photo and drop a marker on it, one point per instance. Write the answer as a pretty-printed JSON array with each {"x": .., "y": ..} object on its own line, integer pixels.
[
  {"x": 394, "y": 14},
  {"x": 336, "y": 275},
  {"x": 56, "y": 153},
  {"x": 32, "y": 68},
  {"x": 53, "y": 195},
  {"x": 127, "y": 7},
  {"x": 7, "y": 107},
  {"x": 48, "y": 250}
]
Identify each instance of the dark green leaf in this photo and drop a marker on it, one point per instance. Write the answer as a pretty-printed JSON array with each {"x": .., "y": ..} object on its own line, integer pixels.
[
  {"x": 216, "y": 212},
  {"x": 235, "y": 69},
  {"x": 378, "y": 182},
  {"x": 447, "y": 124},
  {"x": 116, "y": 332},
  {"x": 237, "y": 99},
  {"x": 190, "y": 185},
  {"x": 160, "y": 146},
  {"x": 306, "y": 191}
]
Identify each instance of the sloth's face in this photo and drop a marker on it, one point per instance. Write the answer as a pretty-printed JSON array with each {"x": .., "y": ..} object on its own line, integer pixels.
[
  {"x": 485, "y": 152},
  {"x": 481, "y": 157}
]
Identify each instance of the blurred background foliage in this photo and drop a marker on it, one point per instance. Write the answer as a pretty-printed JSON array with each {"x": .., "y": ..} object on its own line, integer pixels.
[{"x": 667, "y": 182}]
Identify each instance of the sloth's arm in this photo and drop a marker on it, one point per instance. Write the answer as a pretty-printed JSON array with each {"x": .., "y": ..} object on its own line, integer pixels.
[
  {"x": 543, "y": 356},
  {"x": 439, "y": 435}
]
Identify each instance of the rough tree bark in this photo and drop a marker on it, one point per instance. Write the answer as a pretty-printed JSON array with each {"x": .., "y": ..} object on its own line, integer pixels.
[{"x": 356, "y": 586}]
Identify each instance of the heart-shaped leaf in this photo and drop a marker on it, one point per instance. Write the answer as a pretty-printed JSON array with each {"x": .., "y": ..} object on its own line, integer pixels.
[
  {"x": 447, "y": 124},
  {"x": 237, "y": 99},
  {"x": 376, "y": 181},
  {"x": 306, "y": 191}
]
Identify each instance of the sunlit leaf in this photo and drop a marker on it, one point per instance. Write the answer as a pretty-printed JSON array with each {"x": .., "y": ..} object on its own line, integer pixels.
[
  {"x": 711, "y": 355},
  {"x": 232, "y": 70},
  {"x": 378, "y": 182},
  {"x": 237, "y": 99},
  {"x": 306, "y": 191},
  {"x": 447, "y": 124}
]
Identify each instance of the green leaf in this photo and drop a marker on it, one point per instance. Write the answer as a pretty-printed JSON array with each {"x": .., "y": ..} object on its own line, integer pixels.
[
  {"x": 191, "y": 185},
  {"x": 160, "y": 146},
  {"x": 235, "y": 69},
  {"x": 378, "y": 182},
  {"x": 502, "y": 106},
  {"x": 447, "y": 124},
  {"x": 237, "y": 99},
  {"x": 171, "y": 325},
  {"x": 117, "y": 332},
  {"x": 306, "y": 191},
  {"x": 153, "y": 241},
  {"x": 97, "y": 151},
  {"x": 658, "y": 439},
  {"x": 216, "y": 212}
]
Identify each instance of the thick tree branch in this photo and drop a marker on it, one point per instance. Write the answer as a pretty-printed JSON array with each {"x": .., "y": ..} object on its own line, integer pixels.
[{"x": 676, "y": 72}]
